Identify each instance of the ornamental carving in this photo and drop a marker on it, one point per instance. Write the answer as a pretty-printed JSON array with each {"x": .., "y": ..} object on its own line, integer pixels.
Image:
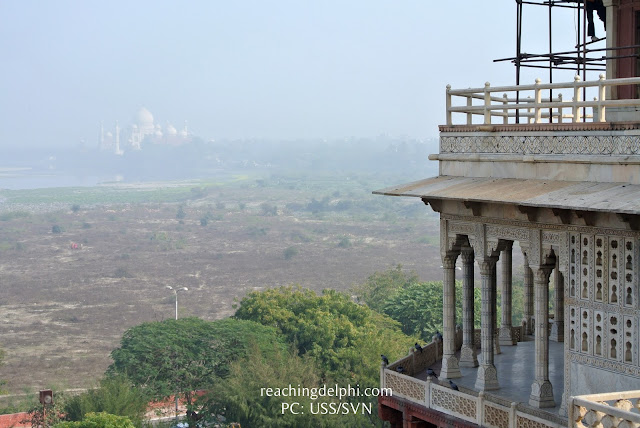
[
  {"x": 543, "y": 144},
  {"x": 462, "y": 228},
  {"x": 487, "y": 373},
  {"x": 523, "y": 422},
  {"x": 467, "y": 353},
  {"x": 453, "y": 402},
  {"x": 496, "y": 417},
  {"x": 526, "y": 225},
  {"x": 509, "y": 233},
  {"x": 551, "y": 237},
  {"x": 597, "y": 306},
  {"x": 601, "y": 363},
  {"x": 406, "y": 386}
]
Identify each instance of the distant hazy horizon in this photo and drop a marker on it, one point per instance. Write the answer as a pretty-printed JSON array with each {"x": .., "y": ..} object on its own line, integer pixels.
[{"x": 251, "y": 69}]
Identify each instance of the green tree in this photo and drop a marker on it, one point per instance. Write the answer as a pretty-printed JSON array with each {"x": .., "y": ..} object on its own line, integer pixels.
[
  {"x": 187, "y": 354},
  {"x": 180, "y": 214},
  {"x": 344, "y": 338},
  {"x": 115, "y": 395},
  {"x": 289, "y": 252},
  {"x": 381, "y": 286},
  {"x": 98, "y": 420},
  {"x": 418, "y": 308},
  {"x": 241, "y": 396}
]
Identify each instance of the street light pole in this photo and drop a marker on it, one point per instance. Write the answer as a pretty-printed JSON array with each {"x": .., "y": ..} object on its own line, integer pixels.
[{"x": 175, "y": 291}]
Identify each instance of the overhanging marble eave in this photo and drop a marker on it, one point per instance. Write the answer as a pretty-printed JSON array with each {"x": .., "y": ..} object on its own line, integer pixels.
[{"x": 619, "y": 198}]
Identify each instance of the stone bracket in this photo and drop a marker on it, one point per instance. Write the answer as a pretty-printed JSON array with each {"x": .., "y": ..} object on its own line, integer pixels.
[
  {"x": 588, "y": 217},
  {"x": 632, "y": 220},
  {"x": 531, "y": 212},
  {"x": 436, "y": 204},
  {"x": 563, "y": 215},
  {"x": 474, "y": 207}
]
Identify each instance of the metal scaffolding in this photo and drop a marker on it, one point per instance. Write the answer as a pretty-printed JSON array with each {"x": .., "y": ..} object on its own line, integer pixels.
[{"x": 581, "y": 58}]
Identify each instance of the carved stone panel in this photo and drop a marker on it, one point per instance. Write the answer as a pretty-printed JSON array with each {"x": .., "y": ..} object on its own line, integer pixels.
[
  {"x": 461, "y": 228},
  {"x": 508, "y": 233},
  {"x": 586, "y": 266},
  {"x": 616, "y": 244},
  {"x": 614, "y": 340},
  {"x": 586, "y": 333},
  {"x": 629, "y": 346},
  {"x": 599, "y": 334},
  {"x": 574, "y": 327},
  {"x": 574, "y": 265},
  {"x": 629, "y": 290},
  {"x": 600, "y": 263}
]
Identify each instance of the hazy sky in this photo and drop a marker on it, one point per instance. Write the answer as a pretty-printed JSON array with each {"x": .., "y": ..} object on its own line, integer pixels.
[{"x": 243, "y": 69}]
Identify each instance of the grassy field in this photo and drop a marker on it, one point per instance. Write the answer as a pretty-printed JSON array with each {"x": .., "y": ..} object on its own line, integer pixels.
[{"x": 66, "y": 308}]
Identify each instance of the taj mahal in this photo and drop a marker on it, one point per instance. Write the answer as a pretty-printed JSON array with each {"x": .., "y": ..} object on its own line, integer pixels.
[{"x": 143, "y": 129}]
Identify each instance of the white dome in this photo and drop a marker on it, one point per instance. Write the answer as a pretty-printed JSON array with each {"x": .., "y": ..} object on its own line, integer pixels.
[
  {"x": 144, "y": 117},
  {"x": 109, "y": 134},
  {"x": 171, "y": 130},
  {"x": 158, "y": 133}
]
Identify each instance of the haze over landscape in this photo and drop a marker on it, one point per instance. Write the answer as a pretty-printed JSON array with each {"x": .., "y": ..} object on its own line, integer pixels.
[
  {"x": 231, "y": 147},
  {"x": 249, "y": 69}
]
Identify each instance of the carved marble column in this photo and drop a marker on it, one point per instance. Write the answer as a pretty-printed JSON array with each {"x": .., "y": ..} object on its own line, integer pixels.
[
  {"x": 541, "y": 389},
  {"x": 557, "y": 328},
  {"x": 468, "y": 355},
  {"x": 528, "y": 297},
  {"x": 450, "y": 368},
  {"x": 487, "y": 379},
  {"x": 494, "y": 303},
  {"x": 506, "y": 334}
]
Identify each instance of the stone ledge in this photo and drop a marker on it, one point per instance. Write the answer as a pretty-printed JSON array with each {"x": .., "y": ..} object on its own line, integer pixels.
[
  {"x": 566, "y": 159},
  {"x": 527, "y": 127}
]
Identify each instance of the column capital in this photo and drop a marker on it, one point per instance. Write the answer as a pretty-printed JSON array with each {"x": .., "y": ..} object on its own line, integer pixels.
[
  {"x": 542, "y": 273},
  {"x": 449, "y": 260},
  {"x": 467, "y": 255},
  {"x": 487, "y": 265}
]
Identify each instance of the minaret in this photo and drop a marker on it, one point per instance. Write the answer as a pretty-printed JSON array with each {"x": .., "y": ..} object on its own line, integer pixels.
[
  {"x": 186, "y": 130},
  {"x": 101, "y": 134},
  {"x": 118, "y": 151}
]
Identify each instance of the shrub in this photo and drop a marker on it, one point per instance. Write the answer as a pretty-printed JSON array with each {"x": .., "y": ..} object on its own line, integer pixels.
[
  {"x": 56, "y": 229},
  {"x": 344, "y": 242},
  {"x": 115, "y": 395},
  {"x": 122, "y": 273},
  {"x": 289, "y": 252},
  {"x": 268, "y": 209},
  {"x": 181, "y": 214}
]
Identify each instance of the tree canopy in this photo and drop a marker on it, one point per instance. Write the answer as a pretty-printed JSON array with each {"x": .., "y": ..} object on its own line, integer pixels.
[
  {"x": 344, "y": 338},
  {"x": 187, "y": 354},
  {"x": 380, "y": 286},
  {"x": 239, "y": 397},
  {"x": 417, "y": 306}
]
